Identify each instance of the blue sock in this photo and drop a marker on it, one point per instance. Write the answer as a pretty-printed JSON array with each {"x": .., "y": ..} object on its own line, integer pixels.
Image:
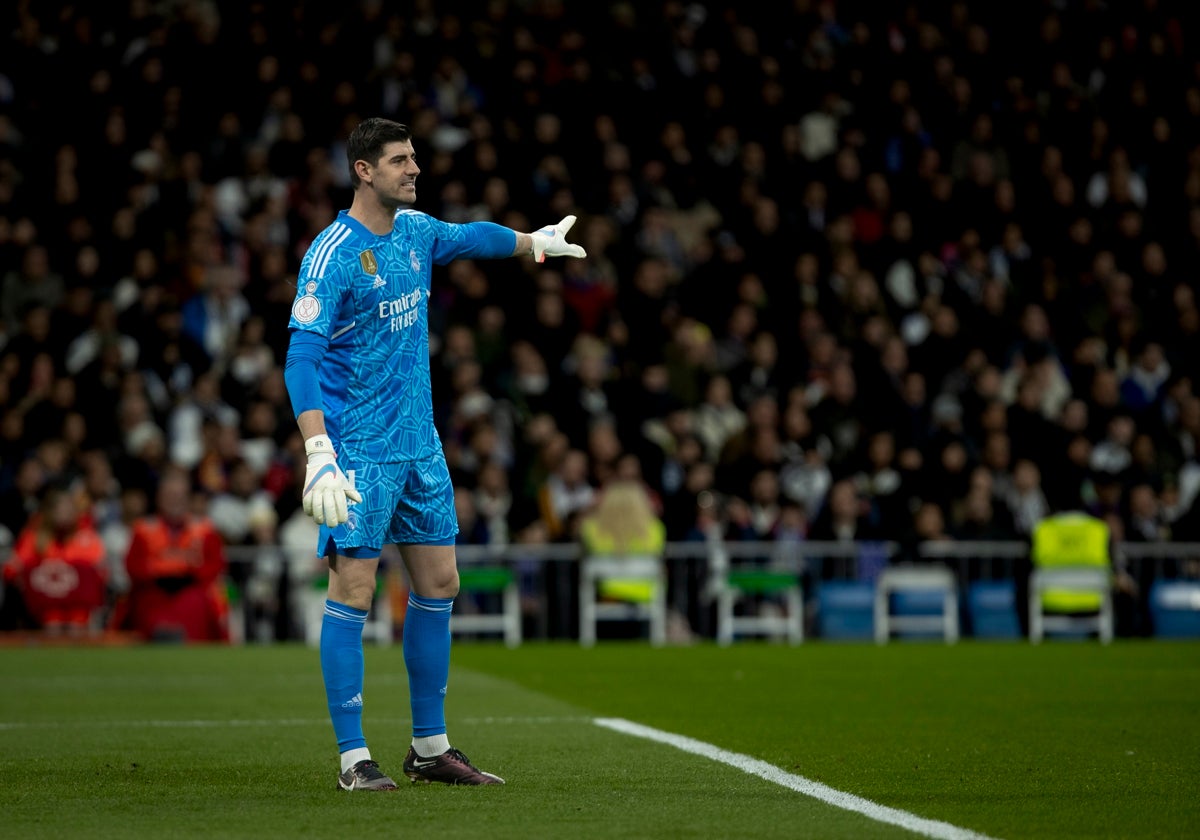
[
  {"x": 342, "y": 668},
  {"x": 427, "y": 658}
]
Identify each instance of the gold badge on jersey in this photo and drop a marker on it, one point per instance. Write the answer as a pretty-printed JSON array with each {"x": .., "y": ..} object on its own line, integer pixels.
[{"x": 368, "y": 262}]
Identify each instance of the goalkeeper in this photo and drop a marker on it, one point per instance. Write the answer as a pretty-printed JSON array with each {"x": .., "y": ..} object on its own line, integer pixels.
[{"x": 357, "y": 373}]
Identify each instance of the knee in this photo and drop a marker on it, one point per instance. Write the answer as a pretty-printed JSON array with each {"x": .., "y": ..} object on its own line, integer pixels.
[
  {"x": 358, "y": 593},
  {"x": 442, "y": 584}
]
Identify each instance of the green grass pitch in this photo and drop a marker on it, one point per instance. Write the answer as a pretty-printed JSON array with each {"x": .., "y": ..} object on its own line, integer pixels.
[{"x": 1065, "y": 739}]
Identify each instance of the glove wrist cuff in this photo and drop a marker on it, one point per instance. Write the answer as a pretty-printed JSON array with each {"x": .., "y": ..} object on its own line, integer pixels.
[{"x": 319, "y": 446}]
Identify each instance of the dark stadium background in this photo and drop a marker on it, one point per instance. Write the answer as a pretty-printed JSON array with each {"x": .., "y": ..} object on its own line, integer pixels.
[{"x": 942, "y": 257}]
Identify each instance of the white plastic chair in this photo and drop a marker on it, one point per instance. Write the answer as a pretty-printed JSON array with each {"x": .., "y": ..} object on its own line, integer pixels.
[
  {"x": 1091, "y": 579},
  {"x": 594, "y": 609},
  {"x": 488, "y": 581},
  {"x": 738, "y": 586},
  {"x": 896, "y": 579}
]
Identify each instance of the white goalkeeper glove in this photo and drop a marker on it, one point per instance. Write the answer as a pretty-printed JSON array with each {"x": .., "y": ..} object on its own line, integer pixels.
[
  {"x": 551, "y": 241},
  {"x": 327, "y": 492}
]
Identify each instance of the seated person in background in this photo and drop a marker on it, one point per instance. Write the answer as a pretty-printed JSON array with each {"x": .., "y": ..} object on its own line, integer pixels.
[
  {"x": 176, "y": 565},
  {"x": 623, "y": 524},
  {"x": 57, "y": 565}
]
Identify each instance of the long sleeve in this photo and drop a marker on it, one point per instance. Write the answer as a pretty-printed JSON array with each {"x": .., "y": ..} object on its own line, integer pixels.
[
  {"x": 213, "y": 553},
  {"x": 137, "y": 558}
]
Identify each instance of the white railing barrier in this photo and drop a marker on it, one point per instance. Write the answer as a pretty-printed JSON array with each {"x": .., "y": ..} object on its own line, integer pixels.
[{"x": 274, "y": 584}]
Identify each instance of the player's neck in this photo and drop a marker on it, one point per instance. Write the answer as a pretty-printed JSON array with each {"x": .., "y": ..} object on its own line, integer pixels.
[{"x": 372, "y": 215}]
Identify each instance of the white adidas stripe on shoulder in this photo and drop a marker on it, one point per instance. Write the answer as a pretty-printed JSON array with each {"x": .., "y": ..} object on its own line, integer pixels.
[{"x": 338, "y": 233}]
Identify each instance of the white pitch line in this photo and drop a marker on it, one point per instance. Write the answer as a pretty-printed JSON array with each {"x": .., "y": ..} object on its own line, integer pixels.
[{"x": 800, "y": 784}]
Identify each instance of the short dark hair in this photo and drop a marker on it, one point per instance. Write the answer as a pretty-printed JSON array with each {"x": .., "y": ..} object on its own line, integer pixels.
[{"x": 368, "y": 138}]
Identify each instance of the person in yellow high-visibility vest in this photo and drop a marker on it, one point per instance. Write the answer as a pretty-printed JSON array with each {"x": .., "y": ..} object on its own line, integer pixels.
[
  {"x": 1071, "y": 539},
  {"x": 623, "y": 524}
]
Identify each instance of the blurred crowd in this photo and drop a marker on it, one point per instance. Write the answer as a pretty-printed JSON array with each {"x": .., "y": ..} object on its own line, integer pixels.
[{"x": 915, "y": 271}]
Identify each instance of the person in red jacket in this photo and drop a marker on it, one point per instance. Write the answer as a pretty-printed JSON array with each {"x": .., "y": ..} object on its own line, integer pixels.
[
  {"x": 57, "y": 565},
  {"x": 176, "y": 565}
]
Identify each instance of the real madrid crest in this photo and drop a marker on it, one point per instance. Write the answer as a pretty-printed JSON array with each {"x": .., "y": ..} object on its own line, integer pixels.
[{"x": 368, "y": 262}]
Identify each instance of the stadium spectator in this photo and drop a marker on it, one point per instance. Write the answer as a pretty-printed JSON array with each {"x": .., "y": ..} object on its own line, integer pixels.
[
  {"x": 717, "y": 417},
  {"x": 176, "y": 565},
  {"x": 566, "y": 494},
  {"x": 1025, "y": 496},
  {"x": 243, "y": 511},
  {"x": 32, "y": 283},
  {"x": 57, "y": 569},
  {"x": 586, "y": 392},
  {"x": 103, "y": 330},
  {"x": 494, "y": 502},
  {"x": 980, "y": 516},
  {"x": 844, "y": 517},
  {"x": 881, "y": 483},
  {"x": 213, "y": 318},
  {"x": 195, "y": 418},
  {"x": 472, "y": 528},
  {"x": 928, "y": 526},
  {"x": 622, "y": 523},
  {"x": 21, "y": 498},
  {"x": 251, "y": 360},
  {"x": 606, "y": 455}
]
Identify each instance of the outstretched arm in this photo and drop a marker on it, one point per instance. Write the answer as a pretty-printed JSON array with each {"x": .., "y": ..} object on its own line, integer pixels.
[{"x": 490, "y": 241}]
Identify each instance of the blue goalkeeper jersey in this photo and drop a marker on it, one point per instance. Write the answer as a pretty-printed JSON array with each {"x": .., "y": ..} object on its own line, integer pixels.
[{"x": 369, "y": 296}]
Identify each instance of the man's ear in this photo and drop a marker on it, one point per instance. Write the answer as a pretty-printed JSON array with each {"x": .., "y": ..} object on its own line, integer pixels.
[{"x": 363, "y": 170}]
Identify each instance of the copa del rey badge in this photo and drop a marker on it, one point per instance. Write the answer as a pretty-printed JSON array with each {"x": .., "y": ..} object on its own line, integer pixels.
[
  {"x": 368, "y": 262},
  {"x": 306, "y": 309}
]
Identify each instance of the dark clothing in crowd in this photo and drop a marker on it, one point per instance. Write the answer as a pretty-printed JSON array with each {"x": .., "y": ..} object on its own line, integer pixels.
[{"x": 863, "y": 218}]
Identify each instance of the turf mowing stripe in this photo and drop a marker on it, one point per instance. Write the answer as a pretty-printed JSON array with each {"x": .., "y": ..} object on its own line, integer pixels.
[
  {"x": 526, "y": 720},
  {"x": 205, "y": 723},
  {"x": 160, "y": 724},
  {"x": 800, "y": 784}
]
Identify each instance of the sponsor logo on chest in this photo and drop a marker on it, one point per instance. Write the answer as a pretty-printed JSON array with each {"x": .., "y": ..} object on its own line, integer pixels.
[{"x": 402, "y": 312}]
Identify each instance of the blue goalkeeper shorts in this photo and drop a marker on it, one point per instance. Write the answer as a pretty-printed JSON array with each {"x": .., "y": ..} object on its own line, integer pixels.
[{"x": 407, "y": 503}]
